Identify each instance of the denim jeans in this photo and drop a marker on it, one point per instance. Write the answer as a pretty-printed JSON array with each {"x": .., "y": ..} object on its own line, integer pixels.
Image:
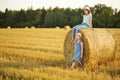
[{"x": 77, "y": 27}]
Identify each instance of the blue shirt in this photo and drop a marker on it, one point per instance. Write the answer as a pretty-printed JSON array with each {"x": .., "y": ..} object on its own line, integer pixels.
[{"x": 86, "y": 18}]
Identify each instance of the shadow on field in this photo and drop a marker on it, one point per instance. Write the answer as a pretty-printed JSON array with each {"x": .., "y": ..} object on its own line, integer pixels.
[
  {"x": 17, "y": 60},
  {"x": 32, "y": 48},
  {"x": 113, "y": 72},
  {"x": 18, "y": 64}
]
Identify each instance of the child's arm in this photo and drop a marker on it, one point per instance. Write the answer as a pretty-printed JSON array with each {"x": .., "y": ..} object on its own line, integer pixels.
[
  {"x": 81, "y": 56},
  {"x": 90, "y": 21}
]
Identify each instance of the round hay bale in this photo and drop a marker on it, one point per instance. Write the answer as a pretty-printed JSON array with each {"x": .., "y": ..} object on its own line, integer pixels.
[
  {"x": 32, "y": 27},
  {"x": 116, "y": 34},
  {"x": 99, "y": 46},
  {"x": 26, "y": 27},
  {"x": 66, "y": 27},
  {"x": 8, "y": 27},
  {"x": 68, "y": 48},
  {"x": 57, "y": 27}
]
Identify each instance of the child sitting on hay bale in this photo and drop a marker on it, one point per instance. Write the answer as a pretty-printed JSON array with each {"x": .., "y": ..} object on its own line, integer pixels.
[
  {"x": 86, "y": 23},
  {"x": 78, "y": 53}
]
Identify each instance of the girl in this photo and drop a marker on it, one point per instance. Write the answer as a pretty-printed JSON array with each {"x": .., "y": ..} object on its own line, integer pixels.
[
  {"x": 86, "y": 23},
  {"x": 78, "y": 52}
]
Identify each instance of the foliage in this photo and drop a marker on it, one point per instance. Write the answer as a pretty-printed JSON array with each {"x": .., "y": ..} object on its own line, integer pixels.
[{"x": 103, "y": 16}]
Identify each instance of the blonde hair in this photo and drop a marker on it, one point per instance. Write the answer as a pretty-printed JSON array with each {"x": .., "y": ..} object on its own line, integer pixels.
[{"x": 79, "y": 34}]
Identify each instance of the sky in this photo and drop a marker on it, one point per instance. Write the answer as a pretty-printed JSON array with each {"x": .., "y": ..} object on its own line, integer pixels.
[{"x": 25, "y": 4}]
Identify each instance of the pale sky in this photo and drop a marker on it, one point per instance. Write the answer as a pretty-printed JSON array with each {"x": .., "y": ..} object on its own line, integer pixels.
[{"x": 25, "y": 4}]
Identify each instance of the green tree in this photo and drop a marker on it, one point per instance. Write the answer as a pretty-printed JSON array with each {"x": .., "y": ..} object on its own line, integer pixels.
[
  {"x": 116, "y": 20},
  {"x": 20, "y": 18},
  {"x": 2, "y": 19},
  {"x": 49, "y": 19},
  {"x": 103, "y": 17},
  {"x": 10, "y": 18}
]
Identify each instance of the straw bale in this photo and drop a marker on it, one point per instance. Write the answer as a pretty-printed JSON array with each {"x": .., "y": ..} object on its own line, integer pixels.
[{"x": 99, "y": 46}]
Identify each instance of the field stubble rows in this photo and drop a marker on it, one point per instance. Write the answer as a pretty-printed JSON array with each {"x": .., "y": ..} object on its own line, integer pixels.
[{"x": 37, "y": 54}]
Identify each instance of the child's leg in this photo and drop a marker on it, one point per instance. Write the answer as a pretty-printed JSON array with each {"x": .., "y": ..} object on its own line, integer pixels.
[
  {"x": 80, "y": 26},
  {"x": 77, "y": 29},
  {"x": 74, "y": 39},
  {"x": 74, "y": 31},
  {"x": 73, "y": 65}
]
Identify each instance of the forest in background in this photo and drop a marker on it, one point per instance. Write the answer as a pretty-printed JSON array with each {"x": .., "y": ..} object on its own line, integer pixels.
[{"x": 103, "y": 17}]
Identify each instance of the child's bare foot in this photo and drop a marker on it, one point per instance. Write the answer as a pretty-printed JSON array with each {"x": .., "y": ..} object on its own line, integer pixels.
[
  {"x": 79, "y": 62},
  {"x": 71, "y": 68}
]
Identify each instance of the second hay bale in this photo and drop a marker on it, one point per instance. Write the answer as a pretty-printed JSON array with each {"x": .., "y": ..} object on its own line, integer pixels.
[
  {"x": 57, "y": 27},
  {"x": 8, "y": 27},
  {"x": 66, "y": 27},
  {"x": 26, "y": 27},
  {"x": 99, "y": 46},
  {"x": 32, "y": 27}
]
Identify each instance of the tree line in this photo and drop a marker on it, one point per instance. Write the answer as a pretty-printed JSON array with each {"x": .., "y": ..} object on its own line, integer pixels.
[{"x": 103, "y": 17}]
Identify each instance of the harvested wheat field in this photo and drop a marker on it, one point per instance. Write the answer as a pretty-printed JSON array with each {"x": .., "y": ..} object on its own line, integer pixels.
[{"x": 37, "y": 54}]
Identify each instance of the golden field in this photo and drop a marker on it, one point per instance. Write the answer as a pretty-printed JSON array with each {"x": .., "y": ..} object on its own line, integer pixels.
[{"x": 37, "y": 54}]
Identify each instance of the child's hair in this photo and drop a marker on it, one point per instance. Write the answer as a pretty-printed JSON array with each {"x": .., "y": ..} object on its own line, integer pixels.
[
  {"x": 86, "y": 8},
  {"x": 79, "y": 34}
]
